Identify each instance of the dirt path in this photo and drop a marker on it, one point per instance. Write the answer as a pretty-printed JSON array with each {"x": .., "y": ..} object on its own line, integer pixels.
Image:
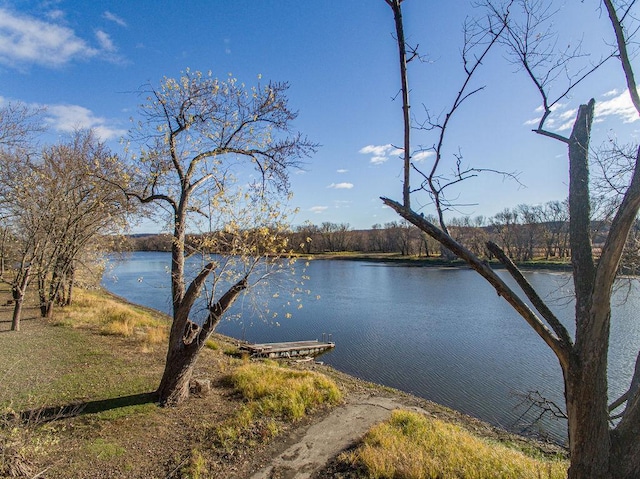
[{"x": 323, "y": 440}]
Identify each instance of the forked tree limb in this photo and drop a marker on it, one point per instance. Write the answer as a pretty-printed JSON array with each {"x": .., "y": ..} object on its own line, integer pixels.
[
  {"x": 558, "y": 346},
  {"x": 531, "y": 293}
]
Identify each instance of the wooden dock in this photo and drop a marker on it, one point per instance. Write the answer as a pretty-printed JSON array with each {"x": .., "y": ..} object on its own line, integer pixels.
[{"x": 287, "y": 350}]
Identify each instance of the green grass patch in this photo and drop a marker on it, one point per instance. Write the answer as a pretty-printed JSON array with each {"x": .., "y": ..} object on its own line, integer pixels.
[
  {"x": 47, "y": 366},
  {"x": 105, "y": 450},
  {"x": 272, "y": 394},
  {"x": 412, "y": 446}
]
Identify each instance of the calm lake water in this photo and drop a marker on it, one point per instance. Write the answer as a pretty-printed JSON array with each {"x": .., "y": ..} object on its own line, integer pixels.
[{"x": 439, "y": 333}]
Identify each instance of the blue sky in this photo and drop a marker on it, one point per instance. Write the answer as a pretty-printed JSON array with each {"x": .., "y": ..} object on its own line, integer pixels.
[{"x": 85, "y": 61}]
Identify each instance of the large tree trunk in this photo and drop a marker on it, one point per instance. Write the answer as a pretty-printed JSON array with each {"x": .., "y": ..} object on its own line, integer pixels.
[
  {"x": 187, "y": 338},
  {"x": 181, "y": 359},
  {"x": 587, "y": 412},
  {"x": 586, "y": 374}
]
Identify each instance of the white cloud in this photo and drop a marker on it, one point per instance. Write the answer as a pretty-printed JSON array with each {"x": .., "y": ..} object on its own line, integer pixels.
[
  {"x": 341, "y": 186},
  {"x": 68, "y": 118},
  {"x": 620, "y": 106},
  {"x": 55, "y": 15},
  {"x": 105, "y": 41},
  {"x": 563, "y": 121},
  {"x": 616, "y": 104},
  {"x": 342, "y": 170},
  {"x": 380, "y": 153},
  {"x": 380, "y": 150},
  {"x": 25, "y": 39},
  {"x": 114, "y": 18},
  {"x": 422, "y": 155},
  {"x": 318, "y": 209}
]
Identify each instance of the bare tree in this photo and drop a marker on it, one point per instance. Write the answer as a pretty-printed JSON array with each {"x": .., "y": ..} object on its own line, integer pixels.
[
  {"x": 57, "y": 204},
  {"x": 19, "y": 124},
  {"x": 25, "y": 216},
  {"x": 83, "y": 181},
  {"x": 198, "y": 134},
  {"x": 600, "y": 447}
]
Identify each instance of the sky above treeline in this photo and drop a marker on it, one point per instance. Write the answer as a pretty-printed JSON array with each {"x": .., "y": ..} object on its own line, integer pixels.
[{"x": 85, "y": 62}]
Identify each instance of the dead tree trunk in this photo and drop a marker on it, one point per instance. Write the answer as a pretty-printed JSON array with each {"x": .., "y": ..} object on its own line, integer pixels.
[{"x": 597, "y": 450}]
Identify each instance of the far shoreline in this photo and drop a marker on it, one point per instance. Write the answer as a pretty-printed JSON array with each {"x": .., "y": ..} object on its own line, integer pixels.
[{"x": 421, "y": 261}]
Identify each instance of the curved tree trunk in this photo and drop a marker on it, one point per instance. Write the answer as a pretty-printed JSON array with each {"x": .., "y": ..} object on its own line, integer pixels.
[
  {"x": 187, "y": 339},
  {"x": 181, "y": 359}
]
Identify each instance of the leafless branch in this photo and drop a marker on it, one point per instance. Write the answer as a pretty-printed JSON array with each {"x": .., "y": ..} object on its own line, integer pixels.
[
  {"x": 534, "y": 401},
  {"x": 531, "y": 293}
]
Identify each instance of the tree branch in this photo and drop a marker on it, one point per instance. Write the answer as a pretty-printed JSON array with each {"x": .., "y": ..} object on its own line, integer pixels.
[
  {"x": 580, "y": 208},
  {"x": 222, "y": 305},
  {"x": 617, "y": 237},
  {"x": 531, "y": 293},
  {"x": 193, "y": 291},
  {"x": 548, "y": 336},
  {"x": 621, "y": 41}
]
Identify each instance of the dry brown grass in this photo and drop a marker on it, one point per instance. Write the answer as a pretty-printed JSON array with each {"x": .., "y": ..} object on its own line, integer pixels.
[
  {"x": 412, "y": 446},
  {"x": 112, "y": 317}
]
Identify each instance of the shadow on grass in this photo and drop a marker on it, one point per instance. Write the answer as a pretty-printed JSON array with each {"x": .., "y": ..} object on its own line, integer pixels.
[{"x": 47, "y": 414}]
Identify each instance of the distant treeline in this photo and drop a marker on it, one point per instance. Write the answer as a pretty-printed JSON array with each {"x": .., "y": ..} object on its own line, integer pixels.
[{"x": 524, "y": 232}]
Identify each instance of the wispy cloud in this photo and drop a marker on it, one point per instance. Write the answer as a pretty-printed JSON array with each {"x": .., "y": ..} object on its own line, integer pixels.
[
  {"x": 619, "y": 106},
  {"x": 421, "y": 156},
  {"x": 56, "y": 15},
  {"x": 114, "y": 18},
  {"x": 68, "y": 118},
  {"x": 378, "y": 160},
  {"x": 341, "y": 186},
  {"x": 561, "y": 118},
  {"x": 342, "y": 170},
  {"x": 27, "y": 40},
  {"x": 105, "y": 41},
  {"x": 318, "y": 209},
  {"x": 614, "y": 104},
  {"x": 380, "y": 153}
]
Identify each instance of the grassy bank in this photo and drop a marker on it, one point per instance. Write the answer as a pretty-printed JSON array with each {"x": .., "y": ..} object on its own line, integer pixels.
[
  {"x": 77, "y": 401},
  {"x": 396, "y": 258},
  {"x": 412, "y": 446}
]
